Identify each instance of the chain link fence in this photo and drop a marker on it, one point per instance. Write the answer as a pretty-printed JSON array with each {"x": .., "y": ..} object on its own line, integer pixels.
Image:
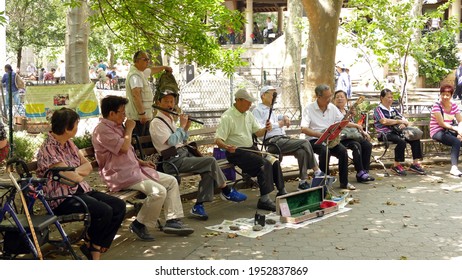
[{"x": 205, "y": 98}]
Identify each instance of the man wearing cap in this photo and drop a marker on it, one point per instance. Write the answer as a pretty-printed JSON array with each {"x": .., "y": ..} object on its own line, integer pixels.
[
  {"x": 344, "y": 82},
  {"x": 166, "y": 135},
  {"x": 235, "y": 132},
  {"x": 300, "y": 148},
  {"x": 139, "y": 92}
]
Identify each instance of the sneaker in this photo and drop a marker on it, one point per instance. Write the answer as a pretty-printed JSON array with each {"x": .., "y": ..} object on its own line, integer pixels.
[
  {"x": 234, "y": 196},
  {"x": 348, "y": 187},
  {"x": 199, "y": 212},
  {"x": 266, "y": 205},
  {"x": 363, "y": 176},
  {"x": 399, "y": 170},
  {"x": 175, "y": 226},
  {"x": 319, "y": 173},
  {"x": 304, "y": 186},
  {"x": 455, "y": 172},
  {"x": 141, "y": 231},
  {"x": 417, "y": 168}
]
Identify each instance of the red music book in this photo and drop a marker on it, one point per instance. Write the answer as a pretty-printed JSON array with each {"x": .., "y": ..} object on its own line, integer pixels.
[{"x": 332, "y": 132}]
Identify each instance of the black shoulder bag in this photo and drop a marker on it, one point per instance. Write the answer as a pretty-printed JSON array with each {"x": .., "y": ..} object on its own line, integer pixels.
[{"x": 450, "y": 131}]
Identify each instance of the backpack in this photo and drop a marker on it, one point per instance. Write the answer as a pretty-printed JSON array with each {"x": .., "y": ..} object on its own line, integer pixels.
[
  {"x": 166, "y": 81},
  {"x": 19, "y": 82}
]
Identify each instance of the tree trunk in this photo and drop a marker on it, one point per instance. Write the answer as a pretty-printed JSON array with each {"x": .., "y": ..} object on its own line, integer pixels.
[
  {"x": 77, "y": 45},
  {"x": 110, "y": 55},
  {"x": 291, "y": 73},
  {"x": 19, "y": 58},
  {"x": 323, "y": 18},
  {"x": 413, "y": 66}
]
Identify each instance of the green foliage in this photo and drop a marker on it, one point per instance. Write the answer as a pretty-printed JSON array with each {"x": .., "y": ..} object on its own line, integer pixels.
[
  {"x": 438, "y": 53},
  {"x": 83, "y": 141},
  {"x": 387, "y": 30},
  {"x": 26, "y": 146},
  {"x": 34, "y": 23},
  {"x": 186, "y": 25},
  {"x": 2, "y": 18}
]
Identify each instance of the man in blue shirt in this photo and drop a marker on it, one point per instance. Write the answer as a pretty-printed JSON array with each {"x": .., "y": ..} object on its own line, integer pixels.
[{"x": 14, "y": 89}]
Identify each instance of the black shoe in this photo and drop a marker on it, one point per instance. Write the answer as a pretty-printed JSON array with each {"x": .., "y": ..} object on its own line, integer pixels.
[
  {"x": 141, "y": 231},
  {"x": 304, "y": 186},
  {"x": 86, "y": 251},
  {"x": 266, "y": 205},
  {"x": 280, "y": 193},
  {"x": 175, "y": 226}
]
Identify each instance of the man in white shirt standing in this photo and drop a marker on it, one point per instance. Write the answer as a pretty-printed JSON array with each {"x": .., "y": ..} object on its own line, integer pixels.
[{"x": 139, "y": 92}]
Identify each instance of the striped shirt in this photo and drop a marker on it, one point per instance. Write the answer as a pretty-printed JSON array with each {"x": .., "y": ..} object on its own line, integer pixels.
[
  {"x": 381, "y": 112},
  {"x": 52, "y": 153},
  {"x": 448, "y": 116}
]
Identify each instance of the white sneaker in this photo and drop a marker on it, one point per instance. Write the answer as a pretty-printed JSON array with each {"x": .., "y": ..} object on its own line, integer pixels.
[
  {"x": 348, "y": 187},
  {"x": 455, "y": 171}
]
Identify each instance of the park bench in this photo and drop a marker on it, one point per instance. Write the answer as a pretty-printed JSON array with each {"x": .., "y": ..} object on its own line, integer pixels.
[
  {"x": 204, "y": 139},
  {"x": 420, "y": 120}
]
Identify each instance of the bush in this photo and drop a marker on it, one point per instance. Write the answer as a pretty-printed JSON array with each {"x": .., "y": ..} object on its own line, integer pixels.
[
  {"x": 83, "y": 141},
  {"x": 26, "y": 146}
]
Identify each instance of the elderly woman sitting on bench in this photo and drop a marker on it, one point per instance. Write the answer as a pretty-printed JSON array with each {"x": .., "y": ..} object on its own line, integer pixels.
[{"x": 106, "y": 212}]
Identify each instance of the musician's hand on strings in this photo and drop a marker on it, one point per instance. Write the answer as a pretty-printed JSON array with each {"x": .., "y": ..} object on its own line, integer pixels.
[{"x": 268, "y": 126}]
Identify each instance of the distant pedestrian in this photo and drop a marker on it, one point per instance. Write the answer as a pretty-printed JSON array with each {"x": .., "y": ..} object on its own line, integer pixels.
[
  {"x": 344, "y": 81},
  {"x": 7, "y": 84},
  {"x": 61, "y": 72},
  {"x": 458, "y": 82}
]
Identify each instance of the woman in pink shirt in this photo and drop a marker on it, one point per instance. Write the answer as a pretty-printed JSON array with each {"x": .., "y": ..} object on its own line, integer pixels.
[
  {"x": 444, "y": 115},
  {"x": 106, "y": 212}
]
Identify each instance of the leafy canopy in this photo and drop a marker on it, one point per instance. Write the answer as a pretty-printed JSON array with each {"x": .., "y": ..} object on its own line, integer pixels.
[
  {"x": 34, "y": 23},
  {"x": 386, "y": 29},
  {"x": 184, "y": 29}
]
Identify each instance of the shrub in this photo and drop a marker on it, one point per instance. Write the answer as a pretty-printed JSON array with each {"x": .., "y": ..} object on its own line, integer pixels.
[
  {"x": 26, "y": 146},
  {"x": 83, "y": 141}
]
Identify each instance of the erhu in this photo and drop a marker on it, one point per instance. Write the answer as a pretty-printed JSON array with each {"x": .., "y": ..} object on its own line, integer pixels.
[{"x": 336, "y": 141}]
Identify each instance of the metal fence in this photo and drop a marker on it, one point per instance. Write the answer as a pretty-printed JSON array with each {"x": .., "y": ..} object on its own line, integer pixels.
[{"x": 205, "y": 97}]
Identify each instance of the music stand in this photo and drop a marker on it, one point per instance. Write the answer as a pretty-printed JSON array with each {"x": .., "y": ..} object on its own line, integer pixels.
[{"x": 330, "y": 134}]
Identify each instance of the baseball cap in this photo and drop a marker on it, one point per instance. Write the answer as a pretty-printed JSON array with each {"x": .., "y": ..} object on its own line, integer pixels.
[
  {"x": 266, "y": 88},
  {"x": 242, "y": 93},
  {"x": 166, "y": 92},
  {"x": 342, "y": 65}
]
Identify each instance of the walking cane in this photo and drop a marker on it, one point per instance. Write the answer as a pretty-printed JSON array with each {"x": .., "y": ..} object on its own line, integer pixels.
[{"x": 26, "y": 212}]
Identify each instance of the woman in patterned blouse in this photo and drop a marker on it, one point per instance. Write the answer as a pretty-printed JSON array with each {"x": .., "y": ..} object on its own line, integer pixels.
[{"x": 106, "y": 212}]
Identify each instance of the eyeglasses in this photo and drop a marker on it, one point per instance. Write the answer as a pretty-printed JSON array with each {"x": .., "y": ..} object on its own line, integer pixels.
[
  {"x": 122, "y": 112},
  {"x": 145, "y": 59}
]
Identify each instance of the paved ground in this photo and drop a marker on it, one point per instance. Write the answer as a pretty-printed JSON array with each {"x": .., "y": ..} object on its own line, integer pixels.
[{"x": 414, "y": 217}]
